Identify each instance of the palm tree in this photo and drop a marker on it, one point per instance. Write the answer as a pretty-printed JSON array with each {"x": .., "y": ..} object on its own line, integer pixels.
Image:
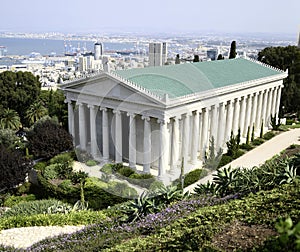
[
  {"x": 35, "y": 112},
  {"x": 10, "y": 119}
]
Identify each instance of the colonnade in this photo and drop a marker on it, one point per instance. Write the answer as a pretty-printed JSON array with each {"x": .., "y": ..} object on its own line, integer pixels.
[{"x": 180, "y": 136}]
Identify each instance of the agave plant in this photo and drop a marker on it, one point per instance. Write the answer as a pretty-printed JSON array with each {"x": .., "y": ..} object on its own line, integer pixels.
[
  {"x": 164, "y": 195},
  {"x": 226, "y": 180},
  {"x": 290, "y": 174},
  {"x": 208, "y": 188}
]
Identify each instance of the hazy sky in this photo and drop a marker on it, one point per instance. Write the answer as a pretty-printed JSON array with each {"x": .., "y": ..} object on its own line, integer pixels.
[{"x": 155, "y": 15}]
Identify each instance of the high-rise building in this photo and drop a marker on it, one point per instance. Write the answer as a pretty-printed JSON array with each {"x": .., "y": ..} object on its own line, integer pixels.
[
  {"x": 157, "y": 54},
  {"x": 98, "y": 50}
]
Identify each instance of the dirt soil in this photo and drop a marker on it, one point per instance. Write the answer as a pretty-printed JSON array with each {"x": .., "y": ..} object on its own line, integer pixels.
[{"x": 238, "y": 235}]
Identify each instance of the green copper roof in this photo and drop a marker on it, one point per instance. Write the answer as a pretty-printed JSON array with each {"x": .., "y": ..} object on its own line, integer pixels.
[{"x": 184, "y": 79}]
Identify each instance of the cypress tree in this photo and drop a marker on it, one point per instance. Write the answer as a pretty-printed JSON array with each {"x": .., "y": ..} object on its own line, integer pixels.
[
  {"x": 220, "y": 57},
  {"x": 196, "y": 58},
  {"x": 248, "y": 136},
  {"x": 232, "y": 53},
  {"x": 261, "y": 130},
  {"x": 177, "y": 60},
  {"x": 252, "y": 134}
]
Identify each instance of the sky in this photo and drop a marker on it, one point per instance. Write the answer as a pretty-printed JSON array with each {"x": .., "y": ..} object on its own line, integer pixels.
[{"x": 85, "y": 16}]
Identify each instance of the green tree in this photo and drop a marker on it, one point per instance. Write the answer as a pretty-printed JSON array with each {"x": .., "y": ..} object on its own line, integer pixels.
[
  {"x": 9, "y": 139},
  {"x": 47, "y": 139},
  {"x": 18, "y": 91},
  {"x": 286, "y": 58},
  {"x": 232, "y": 53},
  {"x": 35, "y": 112},
  {"x": 10, "y": 119},
  {"x": 177, "y": 59},
  {"x": 13, "y": 168},
  {"x": 220, "y": 57},
  {"x": 196, "y": 58}
]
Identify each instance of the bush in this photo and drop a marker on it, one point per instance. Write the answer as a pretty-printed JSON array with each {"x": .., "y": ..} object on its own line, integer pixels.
[
  {"x": 143, "y": 179},
  {"x": 122, "y": 190},
  {"x": 91, "y": 163},
  {"x": 15, "y": 200},
  {"x": 225, "y": 160},
  {"x": 107, "y": 168},
  {"x": 40, "y": 166},
  {"x": 62, "y": 159},
  {"x": 32, "y": 207},
  {"x": 269, "y": 135},
  {"x": 50, "y": 172},
  {"x": 126, "y": 171},
  {"x": 74, "y": 218},
  {"x": 116, "y": 167},
  {"x": 194, "y": 176},
  {"x": 24, "y": 188},
  {"x": 258, "y": 141},
  {"x": 155, "y": 185},
  {"x": 66, "y": 185},
  {"x": 246, "y": 147}
]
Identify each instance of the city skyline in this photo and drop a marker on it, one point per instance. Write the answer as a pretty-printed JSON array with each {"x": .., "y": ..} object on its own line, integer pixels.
[{"x": 153, "y": 17}]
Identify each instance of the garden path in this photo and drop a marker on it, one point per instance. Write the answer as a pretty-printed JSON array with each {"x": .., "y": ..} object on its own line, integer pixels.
[{"x": 259, "y": 155}]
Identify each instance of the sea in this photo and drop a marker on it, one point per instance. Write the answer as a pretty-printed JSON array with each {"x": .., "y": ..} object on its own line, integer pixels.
[{"x": 26, "y": 46}]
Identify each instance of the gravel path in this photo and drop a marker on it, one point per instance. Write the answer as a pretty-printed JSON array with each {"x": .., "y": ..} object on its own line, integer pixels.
[{"x": 24, "y": 237}]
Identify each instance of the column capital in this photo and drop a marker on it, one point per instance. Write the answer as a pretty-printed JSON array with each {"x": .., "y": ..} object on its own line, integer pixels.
[
  {"x": 79, "y": 103},
  {"x": 146, "y": 118},
  {"x": 68, "y": 101},
  {"x": 116, "y": 111},
  {"x": 103, "y": 109},
  {"x": 175, "y": 119},
  {"x": 130, "y": 114},
  {"x": 91, "y": 106},
  {"x": 163, "y": 121}
]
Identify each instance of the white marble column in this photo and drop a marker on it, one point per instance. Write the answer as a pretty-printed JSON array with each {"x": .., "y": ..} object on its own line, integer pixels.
[
  {"x": 200, "y": 132},
  {"x": 222, "y": 116},
  {"x": 236, "y": 113},
  {"x": 258, "y": 119},
  {"x": 264, "y": 107},
  {"x": 94, "y": 147},
  {"x": 214, "y": 123},
  {"x": 132, "y": 140},
  {"x": 82, "y": 127},
  {"x": 71, "y": 122},
  {"x": 175, "y": 145},
  {"x": 118, "y": 136},
  {"x": 269, "y": 107},
  {"x": 195, "y": 137},
  {"x": 248, "y": 114},
  {"x": 164, "y": 149},
  {"x": 185, "y": 137},
  {"x": 253, "y": 113},
  {"x": 278, "y": 102},
  {"x": 274, "y": 100},
  {"x": 147, "y": 144},
  {"x": 243, "y": 115},
  {"x": 229, "y": 117},
  {"x": 204, "y": 134},
  {"x": 105, "y": 134}
]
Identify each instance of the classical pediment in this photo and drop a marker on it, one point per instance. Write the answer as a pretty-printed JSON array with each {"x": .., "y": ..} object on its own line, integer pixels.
[{"x": 106, "y": 86}]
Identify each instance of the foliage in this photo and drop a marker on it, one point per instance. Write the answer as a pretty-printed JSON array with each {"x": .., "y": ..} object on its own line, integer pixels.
[
  {"x": 274, "y": 124},
  {"x": 261, "y": 130},
  {"x": 248, "y": 135},
  {"x": 91, "y": 163},
  {"x": 9, "y": 139},
  {"x": 32, "y": 207},
  {"x": 188, "y": 225},
  {"x": 196, "y": 58},
  {"x": 107, "y": 168},
  {"x": 13, "y": 168},
  {"x": 212, "y": 158},
  {"x": 126, "y": 171},
  {"x": 286, "y": 58},
  {"x": 225, "y": 159},
  {"x": 233, "y": 146},
  {"x": 73, "y": 218},
  {"x": 191, "y": 177},
  {"x": 9, "y": 119},
  {"x": 18, "y": 91},
  {"x": 246, "y": 147},
  {"x": 220, "y": 57},
  {"x": 268, "y": 135},
  {"x": 50, "y": 172},
  {"x": 232, "y": 53},
  {"x": 142, "y": 179},
  {"x": 35, "y": 112},
  {"x": 252, "y": 133},
  {"x": 177, "y": 59},
  {"x": 14, "y": 200},
  {"x": 40, "y": 166},
  {"x": 257, "y": 141},
  {"x": 48, "y": 139}
]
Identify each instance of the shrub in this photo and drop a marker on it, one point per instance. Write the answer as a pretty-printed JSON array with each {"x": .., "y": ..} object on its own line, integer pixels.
[
  {"x": 116, "y": 167},
  {"x": 15, "y": 200},
  {"x": 155, "y": 185},
  {"x": 269, "y": 135},
  {"x": 194, "y": 176},
  {"x": 32, "y": 207},
  {"x": 77, "y": 177},
  {"x": 40, "y": 166},
  {"x": 66, "y": 184},
  {"x": 122, "y": 190},
  {"x": 225, "y": 160},
  {"x": 62, "y": 159},
  {"x": 126, "y": 171},
  {"x": 50, "y": 172},
  {"x": 23, "y": 189},
  {"x": 258, "y": 141},
  {"x": 74, "y": 218},
  {"x": 245, "y": 146},
  {"x": 91, "y": 163},
  {"x": 143, "y": 179},
  {"x": 107, "y": 168}
]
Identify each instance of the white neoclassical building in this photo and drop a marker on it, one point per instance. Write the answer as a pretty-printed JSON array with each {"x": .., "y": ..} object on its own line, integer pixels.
[{"x": 153, "y": 117}]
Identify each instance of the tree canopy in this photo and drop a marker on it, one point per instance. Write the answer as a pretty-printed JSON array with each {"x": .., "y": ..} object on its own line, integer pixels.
[
  {"x": 47, "y": 139},
  {"x": 13, "y": 168},
  {"x": 286, "y": 58},
  {"x": 18, "y": 91}
]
